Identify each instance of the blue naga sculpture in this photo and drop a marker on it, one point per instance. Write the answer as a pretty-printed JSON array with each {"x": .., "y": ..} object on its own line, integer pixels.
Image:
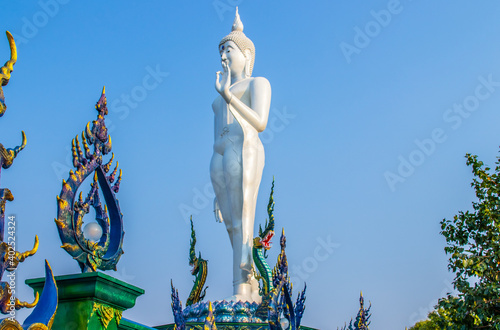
[
  {"x": 200, "y": 270},
  {"x": 105, "y": 253},
  {"x": 262, "y": 244}
]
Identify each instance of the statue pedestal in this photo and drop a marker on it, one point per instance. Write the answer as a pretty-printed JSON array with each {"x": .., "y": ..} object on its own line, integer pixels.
[
  {"x": 226, "y": 326},
  {"x": 228, "y": 315},
  {"x": 90, "y": 301},
  {"x": 220, "y": 326}
]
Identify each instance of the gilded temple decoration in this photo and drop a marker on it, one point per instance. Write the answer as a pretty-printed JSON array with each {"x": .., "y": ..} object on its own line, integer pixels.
[
  {"x": 6, "y": 70},
  {"x": 88, "y": 151},
  {"x": 106, "y": 314},
  {"x": 42, "y": 317},
  {"x": 9, "y": 258}
]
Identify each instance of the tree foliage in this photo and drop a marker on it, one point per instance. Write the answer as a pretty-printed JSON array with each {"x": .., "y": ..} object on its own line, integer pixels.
[
  {"x": 473, "y": 243},
  {"x": 428, "y": 324}
]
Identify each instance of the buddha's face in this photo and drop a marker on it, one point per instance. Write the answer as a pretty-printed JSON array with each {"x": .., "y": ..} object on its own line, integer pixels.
[{"x": 235, "y": 59}]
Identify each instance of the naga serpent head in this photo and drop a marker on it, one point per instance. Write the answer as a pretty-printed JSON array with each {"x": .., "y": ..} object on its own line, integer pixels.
[
  {"x": 6, "y": 70},
  {"x": 264, "y": 242},
  {"x": 195, "y": 263}
]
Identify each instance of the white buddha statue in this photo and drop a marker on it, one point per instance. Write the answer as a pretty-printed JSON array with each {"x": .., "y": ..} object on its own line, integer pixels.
[{"x": 241, "y": 112}]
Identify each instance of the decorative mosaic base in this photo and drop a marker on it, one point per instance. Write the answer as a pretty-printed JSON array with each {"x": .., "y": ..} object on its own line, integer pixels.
[
  {"x": 229, "y": 315},
  {"x": 226, "y": 326},
  {"x": 225, "y": 311}
]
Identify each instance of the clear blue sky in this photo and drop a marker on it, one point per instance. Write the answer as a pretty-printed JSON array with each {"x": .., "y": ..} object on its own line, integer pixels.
[{"x": 367, "y": 142}]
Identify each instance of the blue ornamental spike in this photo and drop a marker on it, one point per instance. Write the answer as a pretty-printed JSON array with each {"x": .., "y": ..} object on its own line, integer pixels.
[{"x": 45, "y": 311}]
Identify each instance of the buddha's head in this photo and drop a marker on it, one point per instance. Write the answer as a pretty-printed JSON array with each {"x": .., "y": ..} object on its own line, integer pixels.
[{"x": 244, "y": 45}]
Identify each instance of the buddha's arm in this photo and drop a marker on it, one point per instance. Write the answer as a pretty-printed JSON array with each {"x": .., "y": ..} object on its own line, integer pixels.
[
  {"x": 260, "y": 91},
  {"x": 216, "y": 119}
]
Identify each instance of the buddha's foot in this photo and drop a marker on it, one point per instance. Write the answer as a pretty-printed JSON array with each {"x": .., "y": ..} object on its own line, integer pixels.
[
  {"x": 242, "y": 292},
  {"x": 246, "y": 264},
  {"x": 246, "y": 267},
  {"x": 246, "y": 259},
  {"x": 255, "y": 290},
  {"x": 238, "y": 297}
]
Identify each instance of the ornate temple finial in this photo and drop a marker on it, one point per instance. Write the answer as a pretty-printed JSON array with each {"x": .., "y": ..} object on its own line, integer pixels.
[
  {"x": 362, "y": 320},
  {"x": 6, "y": 70},
  {"x": 101, "y": 105},
  {"x": 283, "y": 239},
  {"x": 92, "y": 253},
  {"x": 237, "y": 24},
  {"x": 180, "y": 322}
]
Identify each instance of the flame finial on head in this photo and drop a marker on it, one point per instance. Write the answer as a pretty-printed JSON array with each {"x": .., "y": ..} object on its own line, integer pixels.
[{"x": 237, "y": 24}]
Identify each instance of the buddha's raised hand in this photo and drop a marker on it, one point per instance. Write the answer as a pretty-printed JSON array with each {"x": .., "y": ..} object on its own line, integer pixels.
[{"x": 223, "y": 81}]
